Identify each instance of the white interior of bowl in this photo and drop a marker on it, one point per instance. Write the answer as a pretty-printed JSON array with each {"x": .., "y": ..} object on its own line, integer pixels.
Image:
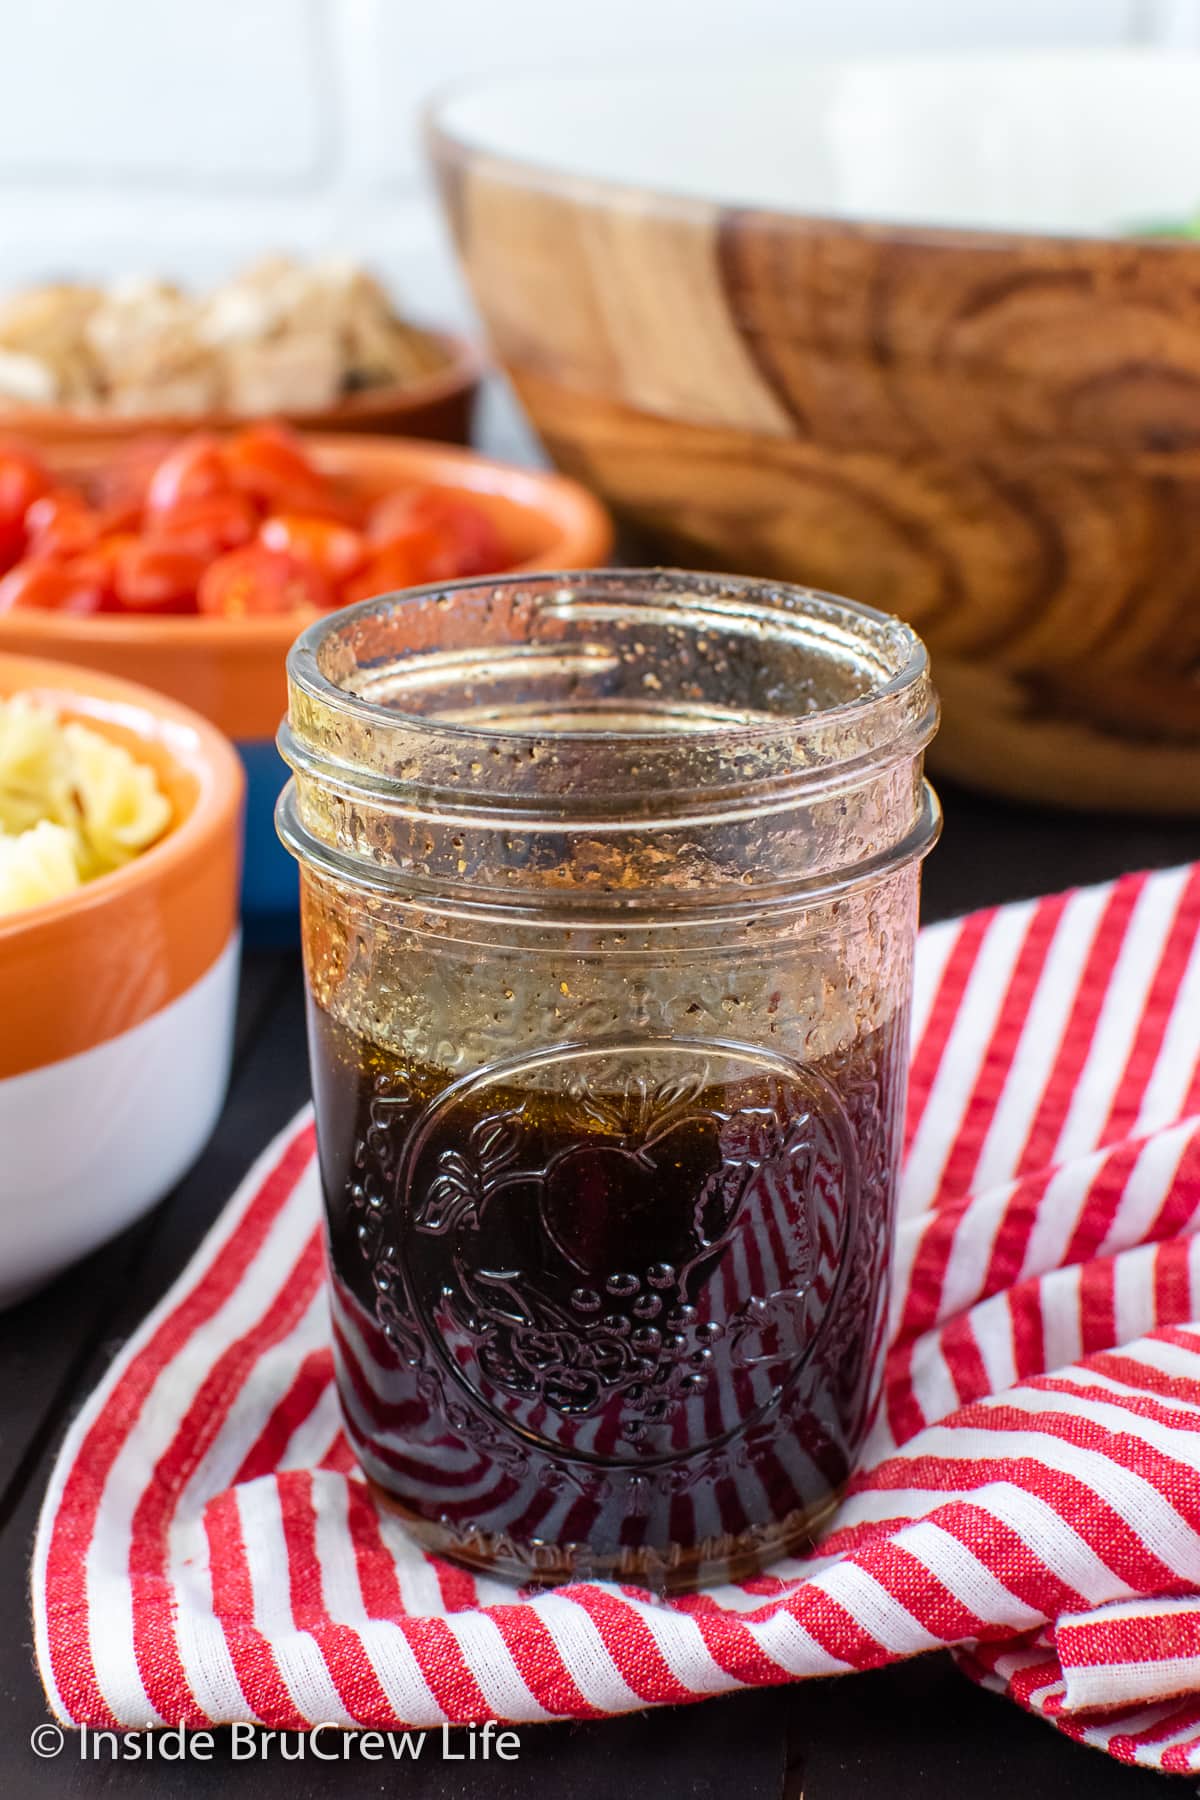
[{"x": 1065, "y": 141}]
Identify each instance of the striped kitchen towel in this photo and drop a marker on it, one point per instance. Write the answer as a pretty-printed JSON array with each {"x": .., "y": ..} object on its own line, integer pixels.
[{"x": 1031, "y": 1495}]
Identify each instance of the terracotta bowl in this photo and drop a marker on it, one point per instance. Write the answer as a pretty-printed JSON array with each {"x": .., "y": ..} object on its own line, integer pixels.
[
  {"x": 439, "y": 405},
  {"x": 117, "y": 1020},
  {"x": 888, "y": 329},
  {"x": 232, "y": 670}
]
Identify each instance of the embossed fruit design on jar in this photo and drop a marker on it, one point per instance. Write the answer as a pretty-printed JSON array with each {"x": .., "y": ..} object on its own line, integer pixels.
[{"x": 609, "y": 894}]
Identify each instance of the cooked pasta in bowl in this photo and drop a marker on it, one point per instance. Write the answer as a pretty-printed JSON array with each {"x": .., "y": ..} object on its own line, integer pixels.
[
  {"x": 73, "y": 805},
  {"x": 120, "y": 821}
]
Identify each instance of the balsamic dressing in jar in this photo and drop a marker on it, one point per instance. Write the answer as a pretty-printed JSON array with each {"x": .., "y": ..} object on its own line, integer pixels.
[{"x": 609, "y": 896}]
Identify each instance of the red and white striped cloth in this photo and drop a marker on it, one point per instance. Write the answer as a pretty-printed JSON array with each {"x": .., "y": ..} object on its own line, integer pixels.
[{"x": 1031, "y": 1495}]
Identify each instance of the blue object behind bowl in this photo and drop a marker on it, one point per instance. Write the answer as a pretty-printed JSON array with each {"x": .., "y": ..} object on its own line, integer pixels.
[{"x": 270, "y": 881}]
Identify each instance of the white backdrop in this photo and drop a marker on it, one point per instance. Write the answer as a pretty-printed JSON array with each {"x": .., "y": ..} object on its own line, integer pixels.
[{"x": 182, "y": 135}]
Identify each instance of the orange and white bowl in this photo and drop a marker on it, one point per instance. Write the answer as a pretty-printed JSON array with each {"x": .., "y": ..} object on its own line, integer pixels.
[
  {"x": 117, "y": 1001},
  {"x": 234, "y": 670}
]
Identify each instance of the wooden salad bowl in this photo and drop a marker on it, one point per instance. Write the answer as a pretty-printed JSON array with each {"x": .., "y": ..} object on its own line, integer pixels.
[{"x": 706, "y": 291}]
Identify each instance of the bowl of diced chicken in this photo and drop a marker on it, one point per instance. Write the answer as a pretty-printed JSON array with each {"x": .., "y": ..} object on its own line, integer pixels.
[{"x": 319, "y": 344}]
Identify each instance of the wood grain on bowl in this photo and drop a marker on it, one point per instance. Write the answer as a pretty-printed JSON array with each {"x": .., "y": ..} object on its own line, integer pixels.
[{"x": 995, "y": 435}]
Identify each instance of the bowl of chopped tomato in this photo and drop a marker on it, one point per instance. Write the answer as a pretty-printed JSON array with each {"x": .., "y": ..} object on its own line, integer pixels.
[{"x": 189, "y": 565}]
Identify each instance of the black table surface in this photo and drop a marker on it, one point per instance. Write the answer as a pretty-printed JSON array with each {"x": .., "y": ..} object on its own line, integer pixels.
[{"x": 920, "y": 1729}]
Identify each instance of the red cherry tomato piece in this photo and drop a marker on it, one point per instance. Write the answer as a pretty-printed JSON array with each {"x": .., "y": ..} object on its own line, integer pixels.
[
  {"x": 479, "y": 547},
  {"x": 50, "y": 587},
  {"x": 334, "y": 550},
  {"x": 22, "y": 481},
  {"x": 193, "y": 470},
  {"x": 209, "y": 524},
  {"x": 99, "y": 565},
  {"x": 393, "y": 567},
  {"x": 119, "y": 486},
  {"x": 60, "y": 525},
  {"x": 151, "y": 576},
  {"x": 269, "y": 463},
  {"x": 257, "y": 581},
  {"x": 392, "y": 517},
  {"x": 468, "y": 543}
]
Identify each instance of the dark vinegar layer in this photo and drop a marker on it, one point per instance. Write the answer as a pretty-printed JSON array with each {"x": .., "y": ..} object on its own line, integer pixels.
[{"x": 614, "y": 1309}]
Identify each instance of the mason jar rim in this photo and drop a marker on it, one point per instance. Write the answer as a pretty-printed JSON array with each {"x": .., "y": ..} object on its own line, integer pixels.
[
  {"x": 637, "y": 587},
  {"x": 742, "y": 783}
]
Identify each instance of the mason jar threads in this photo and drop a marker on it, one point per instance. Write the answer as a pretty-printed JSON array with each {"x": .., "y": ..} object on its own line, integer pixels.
[{"x": 609, "y": 890}]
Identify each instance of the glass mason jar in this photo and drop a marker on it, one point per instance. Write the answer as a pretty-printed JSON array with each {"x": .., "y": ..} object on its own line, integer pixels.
[{"x": 609, "y": 892}]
